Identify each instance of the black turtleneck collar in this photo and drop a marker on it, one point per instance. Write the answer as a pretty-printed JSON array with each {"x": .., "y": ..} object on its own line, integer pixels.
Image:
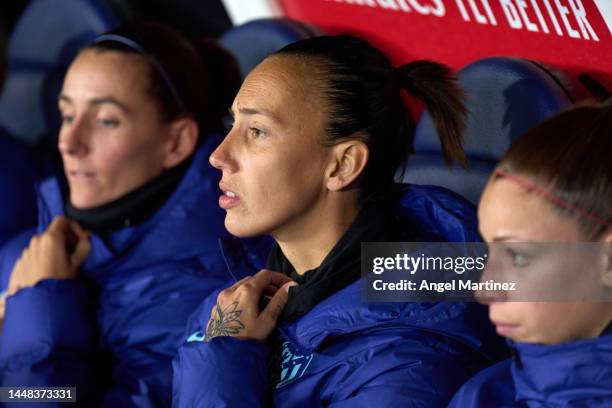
[
  {"x": 376, "y": 222},
  {"x": 131, "y": 209}
]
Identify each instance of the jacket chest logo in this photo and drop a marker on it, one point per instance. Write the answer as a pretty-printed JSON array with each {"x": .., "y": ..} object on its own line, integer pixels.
[{"x": 293, "y": 365}]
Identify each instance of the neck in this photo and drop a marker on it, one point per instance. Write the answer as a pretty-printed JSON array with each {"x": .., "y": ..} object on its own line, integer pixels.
[{"x": 308, "y": 241}]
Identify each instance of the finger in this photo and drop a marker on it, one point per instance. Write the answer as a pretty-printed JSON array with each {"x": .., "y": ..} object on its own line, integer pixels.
[
  {"x": 265, "y": 278},
  {"x": 239, "y": 283},
  {"x": 74, "y": 235},
  {"x": 276, "y": 305},
  {"x": 270, "y": 290},
  {"x": 59, "y": 224},
  {"x": 61, "y": 230},
  {"x": 81, "y": 251},
  {"x": 14, "y": 285},
  {"x": 33, "y": 240},
  {"x": 78, "y": 230}
]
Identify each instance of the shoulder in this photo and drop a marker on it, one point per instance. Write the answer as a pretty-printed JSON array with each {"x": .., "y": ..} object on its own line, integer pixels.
[
  {"x": 402, "y": 365},
  {"x": 436, "y": 213},
  {"x": 492, "y": 386}
]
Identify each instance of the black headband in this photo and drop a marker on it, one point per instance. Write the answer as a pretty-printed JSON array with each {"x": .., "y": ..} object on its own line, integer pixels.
[{"x": 158, "y": 67}]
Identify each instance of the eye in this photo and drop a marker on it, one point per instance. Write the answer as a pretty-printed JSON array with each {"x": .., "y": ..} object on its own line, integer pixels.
[
  {"x": 108, "y": 123},
  {"x": 67, "y": 119},
  {"x": 518, "y": 259},
  {"x": 256, "y": 133}
]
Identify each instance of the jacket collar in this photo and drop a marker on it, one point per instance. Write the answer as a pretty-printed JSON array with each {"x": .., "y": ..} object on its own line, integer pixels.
[
  {"x": 344, "y": 313},
  {"x": 244, "y": 256},
  {"x": 566, "y": 374}
]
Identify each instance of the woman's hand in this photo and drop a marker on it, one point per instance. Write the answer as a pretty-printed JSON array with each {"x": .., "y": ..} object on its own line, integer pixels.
[
  {"x": 55, "y": 254},
  {"x": 237, "y": 313}
]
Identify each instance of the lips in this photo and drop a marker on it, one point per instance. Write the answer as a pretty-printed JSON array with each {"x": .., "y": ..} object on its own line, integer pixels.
[
  {"x": 229, "y": 198},
  {"x": 80, "y": 175},
  {"x": 505, "y": 329}
]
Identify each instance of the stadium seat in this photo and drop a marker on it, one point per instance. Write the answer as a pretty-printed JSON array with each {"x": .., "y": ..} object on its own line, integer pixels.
[
  {"x": 250, "y": 43},
  {"x": 43, "y": 43},
  {"x": 505, "y": 97}
]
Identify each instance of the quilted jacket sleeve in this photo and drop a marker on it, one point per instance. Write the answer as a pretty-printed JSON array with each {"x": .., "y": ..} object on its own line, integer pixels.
[{"x": 48, "y": 338}]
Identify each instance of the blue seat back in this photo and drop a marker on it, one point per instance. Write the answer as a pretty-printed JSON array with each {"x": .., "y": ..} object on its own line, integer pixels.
[
  {"x": 505, "y": 97},
  {"x": 44, "y": 42},
  {"x": 251, "y": 42}
]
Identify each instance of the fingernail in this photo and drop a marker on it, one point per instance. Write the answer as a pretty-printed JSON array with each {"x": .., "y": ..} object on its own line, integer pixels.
[{"x": 288, "y": 285}]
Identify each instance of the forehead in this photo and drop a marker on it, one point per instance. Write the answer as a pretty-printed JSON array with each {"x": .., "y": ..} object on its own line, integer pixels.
[
  {"x": 508, "y": 210},
  {"x": 107, "y": 72},
  {"x": 284, "y": 86}
]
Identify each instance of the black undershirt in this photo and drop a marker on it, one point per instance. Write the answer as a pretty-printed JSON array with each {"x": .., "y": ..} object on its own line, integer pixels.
[{"x": 134, "y": 208}]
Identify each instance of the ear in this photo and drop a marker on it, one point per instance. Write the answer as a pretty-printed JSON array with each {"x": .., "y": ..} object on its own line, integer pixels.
[
  {"x": 607, "y": 250},
  {"x": 348, "y": 159},
  {"x": 183, "y": 139}
]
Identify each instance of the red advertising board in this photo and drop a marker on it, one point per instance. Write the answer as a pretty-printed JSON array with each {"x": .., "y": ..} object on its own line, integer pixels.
[{"x": 568, "y": 34}]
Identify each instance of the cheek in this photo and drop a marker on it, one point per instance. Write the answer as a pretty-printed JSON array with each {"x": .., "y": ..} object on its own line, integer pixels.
[
  {"x": 128, "y": 157},
  {"x": 282, "y": 188},
  {"x": 582, "y": 319},
  {"x": 556, "y": 322},
  {"x": 275, "y": 191},
  {"x": 510, "y": 312},
  {"x": 116, "y": 160}
]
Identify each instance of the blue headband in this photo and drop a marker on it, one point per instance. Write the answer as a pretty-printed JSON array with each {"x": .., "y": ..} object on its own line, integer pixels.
[{"x": 158, "y": 67}]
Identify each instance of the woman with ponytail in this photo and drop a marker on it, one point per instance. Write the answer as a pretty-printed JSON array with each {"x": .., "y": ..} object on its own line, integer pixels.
[
  {"x": 98, "y": 300},
  {"x": 319, "y": 132}
]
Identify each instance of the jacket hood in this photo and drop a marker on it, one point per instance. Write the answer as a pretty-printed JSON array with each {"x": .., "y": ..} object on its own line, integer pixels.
[
  {"x": 173, "y": 232},
  {"x": 570, "y": 374}
]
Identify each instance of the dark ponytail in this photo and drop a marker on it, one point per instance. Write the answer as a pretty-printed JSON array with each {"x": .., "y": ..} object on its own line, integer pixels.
[
  {"x": 361, "y": 91},
  {"x": 435, "y": 86}
]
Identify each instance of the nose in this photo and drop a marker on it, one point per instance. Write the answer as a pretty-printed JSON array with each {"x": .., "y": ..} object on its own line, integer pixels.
[
  {"x": 73, "y": 138},
  {"x": 223, "y": 158},
  {"x": 488, "y": 297},
  {"x": 491, "y": 273}
]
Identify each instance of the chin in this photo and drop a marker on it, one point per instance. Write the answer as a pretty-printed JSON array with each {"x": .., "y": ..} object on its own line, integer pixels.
[
  {"x": 84, "y": 202},
  {"x": 238, "y": 231},
  {"x": 241, "y": 229}
]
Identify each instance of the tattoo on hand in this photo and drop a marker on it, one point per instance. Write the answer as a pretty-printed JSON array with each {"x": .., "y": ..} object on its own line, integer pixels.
[{"x": 224, "y": 322}]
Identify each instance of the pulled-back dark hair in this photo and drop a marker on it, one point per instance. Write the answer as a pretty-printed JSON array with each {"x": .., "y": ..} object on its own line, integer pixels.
[
  {"x": 204, "y": 76},
  {"x": 568, "y": 157},
  {"x": 362, "y": 91}
]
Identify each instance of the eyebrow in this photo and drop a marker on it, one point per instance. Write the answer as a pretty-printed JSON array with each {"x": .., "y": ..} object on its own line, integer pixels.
[
  {"x": 251, "y": 111},
  {"x": 507, "y": 238},
  {"x": 99, "y": 101}
]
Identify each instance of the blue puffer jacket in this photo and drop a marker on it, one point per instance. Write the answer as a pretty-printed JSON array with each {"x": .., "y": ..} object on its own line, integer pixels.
[
  {"x": 576, "y": 374},
  {"x": 19, "y": 170},
  {"x": 113, "y": 332},
  {"x": 346, "y": 353}
]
